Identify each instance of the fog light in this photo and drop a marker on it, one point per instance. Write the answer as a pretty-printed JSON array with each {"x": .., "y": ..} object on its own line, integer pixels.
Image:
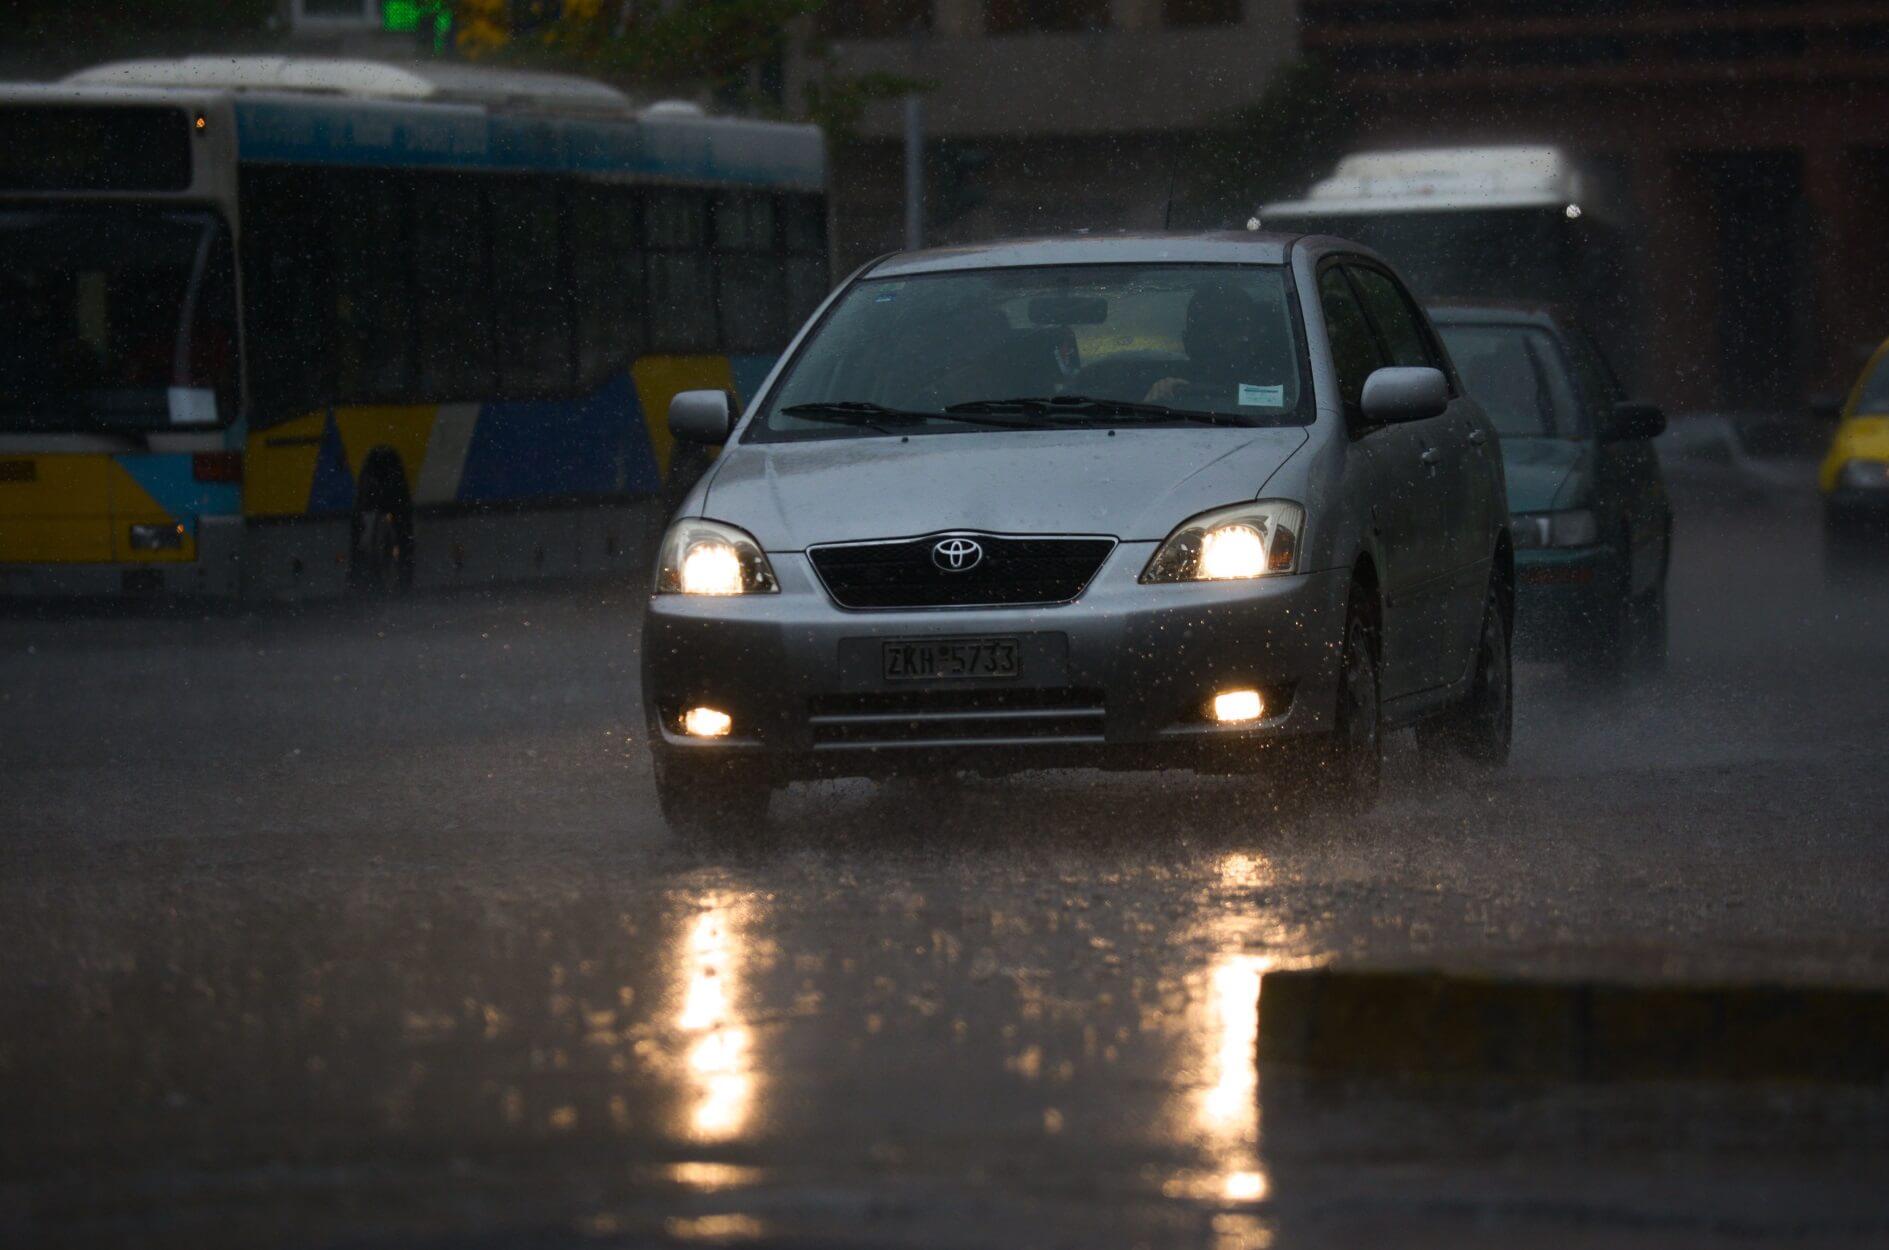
[
  {"x": 1233, "y": 706},
  {"x": 157, "y": 537},
  {"x": 706, "y": 722}
]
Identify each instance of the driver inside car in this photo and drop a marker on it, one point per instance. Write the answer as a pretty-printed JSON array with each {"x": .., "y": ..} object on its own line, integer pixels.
[{"x": 1221, "y": 339}]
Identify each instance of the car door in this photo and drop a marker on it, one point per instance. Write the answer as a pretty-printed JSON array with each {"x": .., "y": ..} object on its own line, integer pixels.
[
  {"x": 1629, "y": 485},
  {"x": 1449, "y": 489},
  {"x": 1379, "y": 467}
]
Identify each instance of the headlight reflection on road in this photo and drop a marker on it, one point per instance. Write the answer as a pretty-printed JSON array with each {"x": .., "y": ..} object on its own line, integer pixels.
[
  {"x": 1226, "y": 1115},
  {"x": 718, "y": 1067}
]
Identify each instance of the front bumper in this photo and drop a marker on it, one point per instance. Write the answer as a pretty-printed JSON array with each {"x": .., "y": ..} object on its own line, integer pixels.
[
  {"x": 214, "y": 573},
  {"x": 1119, "y": 678},
  {"x": 1563, "y": 596}
]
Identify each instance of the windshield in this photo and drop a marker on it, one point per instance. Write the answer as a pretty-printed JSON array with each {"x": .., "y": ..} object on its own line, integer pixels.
[
  {"x": 1873, "y": 401},
  {"x": 115, "y": 318},
  {"x": 1108, "y": 343},
  {"x": 1515, "y": 374}
]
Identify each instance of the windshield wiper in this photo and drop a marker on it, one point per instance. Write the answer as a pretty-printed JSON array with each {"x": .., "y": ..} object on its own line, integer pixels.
[
  {"x": 878, "y": 417},
  {"x": 1069, "y": 406}
]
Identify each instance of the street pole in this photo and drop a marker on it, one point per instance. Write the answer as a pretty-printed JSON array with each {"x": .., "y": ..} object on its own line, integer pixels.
[{"x": 914, "y": 171}]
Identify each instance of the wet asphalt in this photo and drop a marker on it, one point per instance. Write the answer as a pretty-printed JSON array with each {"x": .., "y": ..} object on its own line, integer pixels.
[{"x": 357, "y": 926}]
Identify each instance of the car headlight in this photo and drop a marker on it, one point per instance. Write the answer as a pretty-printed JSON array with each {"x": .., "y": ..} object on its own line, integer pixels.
[
  {"x": 1864, "y": 475},
  {"x": 1229, "y": 544},
  {"x": 1575, "y": 528},
  {"x": 709, "y": 558}
]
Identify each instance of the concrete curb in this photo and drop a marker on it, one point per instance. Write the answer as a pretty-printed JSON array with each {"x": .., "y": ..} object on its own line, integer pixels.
[{"x": 1446, "y": 1024}]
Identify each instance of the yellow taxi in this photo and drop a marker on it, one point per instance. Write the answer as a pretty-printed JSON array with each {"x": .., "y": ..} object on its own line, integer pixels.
[{"x": 1855, "y": 474}]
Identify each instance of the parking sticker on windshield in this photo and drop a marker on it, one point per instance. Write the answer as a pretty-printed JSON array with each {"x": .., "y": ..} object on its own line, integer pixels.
[
  {"x": 888, "y": 295},
  {"x": 1261, "y": 396}
]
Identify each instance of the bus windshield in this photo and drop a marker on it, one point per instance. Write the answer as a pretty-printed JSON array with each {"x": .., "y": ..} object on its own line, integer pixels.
[{"x": 116, "y": 318}]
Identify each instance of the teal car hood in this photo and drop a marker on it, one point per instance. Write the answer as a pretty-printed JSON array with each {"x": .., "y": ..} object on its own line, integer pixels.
[{"x": 1546, "y": 473}]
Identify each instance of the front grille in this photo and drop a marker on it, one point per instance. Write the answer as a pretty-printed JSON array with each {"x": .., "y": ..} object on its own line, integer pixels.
[
  {"x": 903, "y": 574},
  {"x": 945, "y": 717}
]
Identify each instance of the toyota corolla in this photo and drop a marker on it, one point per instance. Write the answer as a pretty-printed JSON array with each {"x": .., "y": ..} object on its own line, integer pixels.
[{"x": 1211, "y": 502}]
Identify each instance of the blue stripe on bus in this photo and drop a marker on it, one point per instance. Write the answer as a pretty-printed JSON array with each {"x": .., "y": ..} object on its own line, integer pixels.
[
  {"x": 389, "y": 136},
  {"x": 524, "y": 448},
  {"x": 170, "y": 481}
]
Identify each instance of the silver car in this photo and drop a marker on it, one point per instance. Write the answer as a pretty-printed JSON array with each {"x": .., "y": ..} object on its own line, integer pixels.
[{"x": 1208, "y": 502}]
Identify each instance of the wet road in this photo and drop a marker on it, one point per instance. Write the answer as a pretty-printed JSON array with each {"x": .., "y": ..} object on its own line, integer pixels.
[{"x": 359, "y": 927}]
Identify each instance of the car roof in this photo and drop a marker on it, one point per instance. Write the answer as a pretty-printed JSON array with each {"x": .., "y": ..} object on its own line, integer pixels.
[
  {"x": 1230, "y": 248},
  {"x": 1496, "y": 312}
]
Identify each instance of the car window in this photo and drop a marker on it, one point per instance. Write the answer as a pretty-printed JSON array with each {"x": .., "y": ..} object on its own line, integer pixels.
[
  {"x": 1218, "y": 339},
  {"x": 1874, "y": 396},
  {"x": 1398, "y": 323},
  {"x": 1354, "y": 349},
  {"x": 1514, "y": 372}
]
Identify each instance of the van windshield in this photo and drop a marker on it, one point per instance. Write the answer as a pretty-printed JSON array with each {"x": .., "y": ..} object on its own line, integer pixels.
[
  {"x": 117, "y": 318},
  {"x": 1100, "y": 344}
]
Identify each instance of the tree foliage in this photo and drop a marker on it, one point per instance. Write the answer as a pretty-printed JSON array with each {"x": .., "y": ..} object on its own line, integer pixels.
[{"x": 712, "y": 46}]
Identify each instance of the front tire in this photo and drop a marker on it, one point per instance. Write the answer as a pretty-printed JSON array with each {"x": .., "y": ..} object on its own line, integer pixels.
[
  {"x": 710, "y": 799},
  {"x": 1481, "y": 728},
  {"x": 1348, "y": 766}
]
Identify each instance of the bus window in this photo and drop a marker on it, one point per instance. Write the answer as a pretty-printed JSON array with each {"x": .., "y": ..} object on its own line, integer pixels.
[
  {"x": 289, "y": 293},
  {"x": 751, "y": 292},
  {"x": 681, "y": 299},
  {"x": 534, "y": 322},
  {"x": 608, "y": 283},
  {"x": 373, "y": 302},
  {"x": 452, "y": 289}
]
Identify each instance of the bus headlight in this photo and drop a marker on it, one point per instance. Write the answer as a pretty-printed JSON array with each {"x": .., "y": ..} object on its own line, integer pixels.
[
  {"x": 709, "y": 558},
  {"x": 1230, "y": 544}
]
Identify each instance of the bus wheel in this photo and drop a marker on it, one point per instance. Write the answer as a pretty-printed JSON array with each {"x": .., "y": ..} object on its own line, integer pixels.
[{"x": 381, "y": 553}]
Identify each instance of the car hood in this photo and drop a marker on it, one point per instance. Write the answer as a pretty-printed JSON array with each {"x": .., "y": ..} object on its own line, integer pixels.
[
  {"x": 1546, "y": 473},
  {"x": 1131, "y": 484}
]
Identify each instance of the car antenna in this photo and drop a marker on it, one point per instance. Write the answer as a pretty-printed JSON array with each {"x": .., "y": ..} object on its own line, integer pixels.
[{"x": 1167, "y": 214}]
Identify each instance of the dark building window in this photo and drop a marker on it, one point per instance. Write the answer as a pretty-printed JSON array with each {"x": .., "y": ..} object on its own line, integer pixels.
[
  {"x": 876, "y": 19},
  {"x": 1201, "y": 12},
  {"x": 1010, "y": 17}
]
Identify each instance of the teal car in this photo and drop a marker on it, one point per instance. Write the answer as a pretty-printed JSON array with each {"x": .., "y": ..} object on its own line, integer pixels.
[{"x": 1589, "y": 515}]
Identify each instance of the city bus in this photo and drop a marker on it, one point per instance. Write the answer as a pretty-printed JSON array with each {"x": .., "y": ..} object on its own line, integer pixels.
[
  {"x": 282, "y": 327},
  {"x": 1506, "y": 222}
]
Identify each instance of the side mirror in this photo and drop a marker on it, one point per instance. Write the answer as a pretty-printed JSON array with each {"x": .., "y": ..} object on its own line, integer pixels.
[
  {"x": 1630, "y": 420},
  {"x": 1826, "y": 405},
  {"x": 1405, "y": 393},
  {"x": 704, "y": 417}
]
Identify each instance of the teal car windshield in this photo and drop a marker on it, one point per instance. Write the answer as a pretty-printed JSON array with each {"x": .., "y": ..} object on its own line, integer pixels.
[
  {"x": 1048, "y": 346},
  {"x": 1513, "y": 371}
]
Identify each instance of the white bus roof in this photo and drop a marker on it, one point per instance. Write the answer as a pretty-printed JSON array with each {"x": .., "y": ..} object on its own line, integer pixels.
[
  {"x": 361, "y": 79},
  {"x": 1441, "y": 179}
]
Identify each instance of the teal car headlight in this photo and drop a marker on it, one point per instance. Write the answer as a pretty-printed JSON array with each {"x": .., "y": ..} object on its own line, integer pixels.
[{"x": 1575, "y": 527}]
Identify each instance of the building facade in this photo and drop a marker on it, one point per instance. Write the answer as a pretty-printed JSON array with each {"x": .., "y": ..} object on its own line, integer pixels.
[
  {"x": 1045, "y": 115},
  {"x": 1747, "y": 139}
]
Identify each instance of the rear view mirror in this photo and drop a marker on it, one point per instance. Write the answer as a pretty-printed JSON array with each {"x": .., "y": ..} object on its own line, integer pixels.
[
  {"x": 1068, "y": 310},
  {"x": 1630, "y": 420},
  {"x": 1405, "y": 393},
  {"x": 701, "y": 417}
]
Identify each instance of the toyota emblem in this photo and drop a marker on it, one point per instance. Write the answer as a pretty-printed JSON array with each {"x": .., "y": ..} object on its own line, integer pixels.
[{"x": 956, "y": 555}]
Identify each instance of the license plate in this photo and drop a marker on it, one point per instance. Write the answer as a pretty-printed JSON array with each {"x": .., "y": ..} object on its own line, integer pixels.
[{"x": 934, "y": 658}]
